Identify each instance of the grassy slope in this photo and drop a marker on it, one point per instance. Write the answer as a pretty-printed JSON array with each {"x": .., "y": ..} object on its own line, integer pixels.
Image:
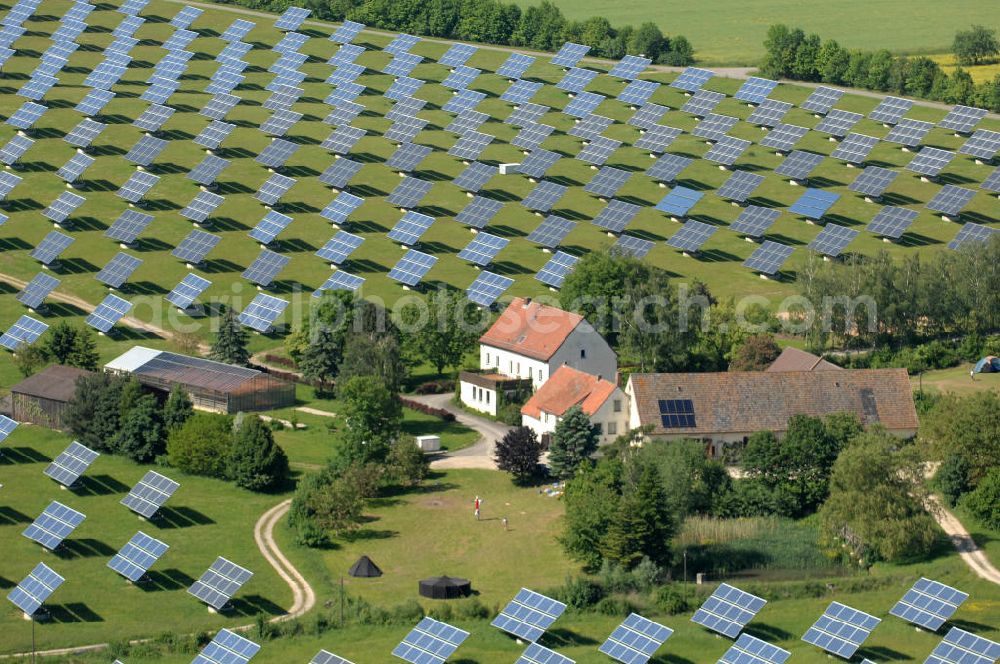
[
  {"x": 719, "y": 265},
  {"x": 732, "y": 32},
  {"x": 956, "y": 380}
]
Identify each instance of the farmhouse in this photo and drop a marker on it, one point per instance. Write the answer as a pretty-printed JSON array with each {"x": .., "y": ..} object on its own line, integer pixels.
[
  {"x": 601, "y": 400},
  {"x": 213, "y": 386},
  {"x": 793, "y": 359},
  {"x": 526, "y": 345},
  {"x": 42, "y": 398},
  {"x": 722, "y": 408}
]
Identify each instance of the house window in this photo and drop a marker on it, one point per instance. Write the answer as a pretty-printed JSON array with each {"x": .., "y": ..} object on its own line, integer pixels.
[
  {"x": 530, "y": 371},
  {"x": 618, "y": 405},
  {"x": 487, "y": 397},
  {"x": 599, "y": 428},
  {"x": 487, "y": 359},
  {"x": 510, "y": 369},
  {"x": 583, "y": 353},
  {"x": 541, "y": 375},
  {"x": 612, "y": 428}
]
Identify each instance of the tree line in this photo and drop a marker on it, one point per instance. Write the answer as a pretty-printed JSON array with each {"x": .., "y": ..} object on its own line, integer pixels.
[
  {"x": 541, "y": 27},
  {"x": 792, "y": 54}
]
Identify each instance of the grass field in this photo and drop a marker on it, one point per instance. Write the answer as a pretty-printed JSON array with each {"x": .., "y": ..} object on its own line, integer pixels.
[
  {"x": 204, "y": 519},
  {"x": 730, "y": 32},
  {"x": 979, "y": 73},
  {"x": 956, "y": 380},
  {"x": 718, "y": 264}
]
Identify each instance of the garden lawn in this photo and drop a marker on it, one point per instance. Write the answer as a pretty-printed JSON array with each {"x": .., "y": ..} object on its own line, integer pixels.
[{"x": 956, "y": 380}]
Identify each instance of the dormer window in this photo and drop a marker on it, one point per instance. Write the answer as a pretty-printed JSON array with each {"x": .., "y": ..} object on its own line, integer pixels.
[{"x": 583, "y": 353}]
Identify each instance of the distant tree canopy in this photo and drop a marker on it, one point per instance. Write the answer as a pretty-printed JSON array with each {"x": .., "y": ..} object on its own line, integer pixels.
[{"x": 975, "y": 45}]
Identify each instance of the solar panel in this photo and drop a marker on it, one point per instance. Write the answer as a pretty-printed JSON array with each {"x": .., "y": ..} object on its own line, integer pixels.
[
  {"x": 576, "y": 79},
  {"x": 691, "y": 79},
  {"x": 929, "y": 604},
  {"x": 551, "y": 232},
  {"x": 402, "y": 64},
  {"x": 208, "y": 171},
  {"x": 727, "y": 150},
  {"x": 339, "y": 174},
  {"x": 972, "y": 233},
  {"x": 404, "y": 87},
  {"x": 153, "y": 118},
  {"x": 768, "y": 257},
  {"x": 536, "y": 654},
  {"x": 185, "y": 17},
  {"x": 521, "y": 91},
  {"x": 607, "y": 182},
  {"x": 407, "y": 157},
  {"x": 25, "y": 330},
  {"x": 135, "y": 558},
  {"x": 341, "y": 207},
  {"x": 14, "y": 149},
  {"x": 345, "y": 73},
  {"x": 583, "y": 104},
  {"x": 909, "y": 132},
  {"x": 703, "y": 103},
  {"x": 962, "y": 119},
  {"x": 798, "y": 165},
  {"x": 409, "y": 192},
  {"x": 219, "y": 106},
  {"x": 202, "y": 206},
  {"x": 526, "y": 114},
  {"x": 668, "y": 167},
  {"x": 630, "y": 67},
  {"x": 412, "y": 267},
  {"x": 227, "y": 648},
  {"x": 85, "y": 133},
  {"x": 405, "y": 107},
  {"x": 461, "y": 77},
  {"x": 346, "y": 32},
  {"x": 54, "y": 525},
  {"x": 409, "y": 229},
  {"x": 657, "y": 138},
  {"x": 713, "y": 127},
  {"x": 350, "y": 92},
  {"x": 769, "y": 113},
  {"x": 487, "y": 288},
  {"x": 588, "y": 128},
  {"x": 841, "y": 630},
  {"x": 265, "y": 267},
  {"x": 64, "y": 206},
  {"x": 983, "y": 145},
  {"x": 111, "y": 310},
  {"x": 755, "y": 90},
  {"x": 35, "y": 589},
  {"x": 483, "y": 249},
  {"x": 8, "y": 181},
  {"x": 37, "y": 87},
  {"x": 569, "y": 54},
  {"x": 475, "y": 176},
  {"x": 276, "y": 153},
  {"x": 950, "y": 200},
  {"x": 430, "y": 642},
  {"x": 276, "y": 186},
  {"x": 94, "y": 102},
  {"x": 636, "y": 247},
  {"x": 873, "y": 181},
  {"x": 195, "y": 246},
  {"x": 890, "y": 110},
  {"x": 26, "y": 116},
  {"x": 838, "y": 123},
  {"x": 638, "y": 93},
  {"x": 833, "y": 239},
  {"x": 325, "y": 657},
  {"x": 544, "y": 196},
  {"x": 403, "y": 130},
  {"x": 402, "y": 43},
  {"x": 854, "y": 148},
  {"x": 740, "y": 186},
  {"x": 616, "y": 215},
  {"x": 728, "y": 610},
  {"x": 34, "y": 293},
  {"x": 751, "y": 650},
  {"x": 754, "y": 221},
  {"x": 292, "y": 18},
  {"x": 149, "y": 494},
  {"x": 132, "y": 7},
  {"x": 53, "y": 244},
  {"x": 479, "y": 212},
  {"x": 679, "y": 201},
  {"x": 814, "y": 203},
  {"x": 212, "y": 136},
  {"x": 529, "y": 614},
  {"x": 531, "y": 136},
  {"x": 268, "y": 228},
  {"x": 344, "y": 114},
  {"x": 137, "y": 186},
  {"x": 635, "y": 640},
  {"x": 961, "y": 647},
  {"x": 280, "y": 122},
  {"x": 892, "y": 222},
  {"x": 187, "y": 291},
  {"x": 929, "y": 162},
  {"x": 261, "y": 313},
  {"x": 649, "y": 115},
  {"x": 106, "y": 74},
  {"x": 515, "y": 65},
  {"x": 237, "y": 30},
  {"x": 160, "y": 92},
  {"x": 117, "y": 271},
  {"x": 343, "y": 139},
  {"x": 467, "y": 122},
  {"x": 598, "y": 151},
  {"x": 340, "y": 280},
  {"x": 339, "y": 248},
  {"x": 784, "y": 137},
  {"x": 470, "y": 146},
  {"x": 146, "y": 150},
  {"x": 691, "y": 236},
  {"x": 224, "y": 81}
]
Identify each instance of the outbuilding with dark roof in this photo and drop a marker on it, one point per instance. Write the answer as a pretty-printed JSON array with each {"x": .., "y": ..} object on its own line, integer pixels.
[{"x": 42, "y": 398}]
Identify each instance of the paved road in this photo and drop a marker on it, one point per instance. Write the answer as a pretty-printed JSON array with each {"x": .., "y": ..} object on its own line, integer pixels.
[{"x": 478, "y": 455}]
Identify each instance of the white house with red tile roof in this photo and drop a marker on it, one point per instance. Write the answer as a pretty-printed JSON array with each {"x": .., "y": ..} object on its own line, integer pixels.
[
  {"x": 528, "y": 342},
  {"x": 601, "y": 400}
]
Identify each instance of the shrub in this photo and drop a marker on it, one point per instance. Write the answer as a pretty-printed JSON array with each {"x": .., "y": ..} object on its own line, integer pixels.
[
  {"x": 518, "y": 453},
  {"x": 421, "y": 407},
  {"x": 614, "y": 606},
  {"x": 406, "y": 463},
  {"x": 580, "y": 593},
  {"x": 201, "y": 445},
  {"x": 952, "y": 477},
  {"x": 671, "y": 601},
  {"x": 510, "y": 414},
  {"x": 984, "y": 502},
  {"x": 255, "y": 461}
]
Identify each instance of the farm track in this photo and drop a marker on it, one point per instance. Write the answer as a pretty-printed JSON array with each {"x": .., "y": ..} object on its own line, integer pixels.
[
  {"x": 303, "y": 595},
  {"x": 967, "y": 548}
]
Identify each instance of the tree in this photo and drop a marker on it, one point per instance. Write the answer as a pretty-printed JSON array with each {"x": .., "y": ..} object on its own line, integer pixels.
[
  {"x": 963, "y": 426},
  {"x": 230, "y": 344},
  {"x": 378, "y": 356},
  {"x": 644, "y": 526},
  {"x": 94, "y": 413},
  {"x": 518, "y": 453},
  {"x": 975, "y": 45},
  {"x": 591, "y": 499},
  {"x": 646, "y": 40},
  {"x": 756, "y": 353},
  {"x": 451, "y": 328},
  {"x": 321, "y": 358},
  {"x": 952, "y": 478},
  {"x": 140, "y": 435},
  {"x": 372, "y": 418},
  {"x": 177, "y": 408},
  {"x": 201, "y": 445},
  {"x": 573, "y": 441},
  {"x": 984, "y": 502},
  {"x": 406, "y": 463},
  {"x": 876, "y": 506},
  {"x": 72, "y": 346},
  {"x": 691, "y": 481},
  {"x": 255, "y": 461},
  {"x": 29, "y": 358}
]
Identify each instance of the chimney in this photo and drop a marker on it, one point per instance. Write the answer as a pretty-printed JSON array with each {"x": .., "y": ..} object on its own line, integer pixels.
[{"x": 527, "y": 302}]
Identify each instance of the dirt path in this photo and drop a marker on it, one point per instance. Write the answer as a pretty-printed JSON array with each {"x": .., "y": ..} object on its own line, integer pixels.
[
  {"x": 967, "y": 548},
  {"x": 478, "y": 455},
  {"x": 303, "y": 596}
]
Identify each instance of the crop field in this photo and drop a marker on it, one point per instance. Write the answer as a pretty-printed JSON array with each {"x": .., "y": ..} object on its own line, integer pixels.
[
  {"x": 730, "y": 32},
  {"x": 718, "y": 264}
]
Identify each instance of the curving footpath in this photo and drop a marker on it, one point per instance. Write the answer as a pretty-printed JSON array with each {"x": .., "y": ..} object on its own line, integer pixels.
[
  {"x": 967, "y": 548},
  {"x": 303, "y": 596}
]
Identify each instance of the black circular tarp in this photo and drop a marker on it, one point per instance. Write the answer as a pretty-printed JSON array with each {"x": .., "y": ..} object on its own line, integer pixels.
[{"x": 445, "y": 587}]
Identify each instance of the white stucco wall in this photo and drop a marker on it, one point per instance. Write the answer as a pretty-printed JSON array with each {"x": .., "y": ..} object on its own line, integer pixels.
[{"x": 478, "y": 398}]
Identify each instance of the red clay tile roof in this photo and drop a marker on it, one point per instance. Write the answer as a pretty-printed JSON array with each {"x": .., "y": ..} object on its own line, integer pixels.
[
  {"x": 793, "y": 359},
  {"x": 566, "y": 388},
  {"x": 745, "y": 402},
  {"x": 531, "y": 329}
]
